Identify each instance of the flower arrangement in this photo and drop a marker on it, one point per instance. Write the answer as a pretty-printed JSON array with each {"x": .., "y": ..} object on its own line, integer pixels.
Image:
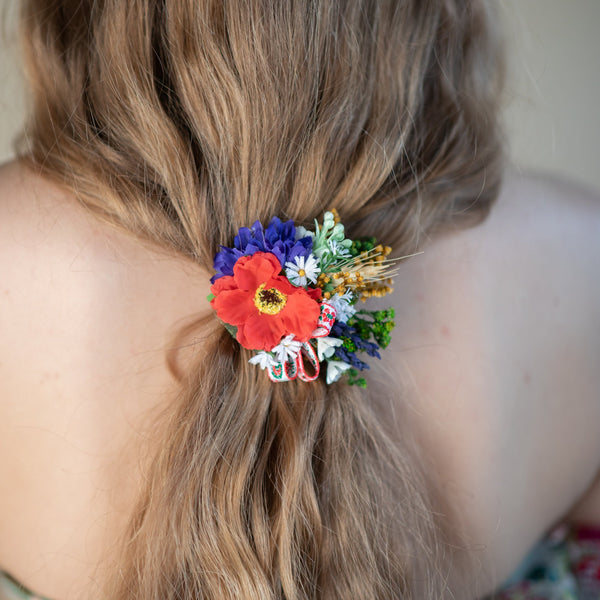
[{"x": 290, "y": 294}]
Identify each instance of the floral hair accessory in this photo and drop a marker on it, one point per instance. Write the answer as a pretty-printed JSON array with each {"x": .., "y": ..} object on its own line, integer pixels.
[{"x": 290, "y": 295}]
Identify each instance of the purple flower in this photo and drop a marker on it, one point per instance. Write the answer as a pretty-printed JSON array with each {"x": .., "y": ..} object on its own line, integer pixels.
[
  {"x": 352, "y": 343},
  {"x": 279, "y": 238},
  {"x": 350, "y": 357}
]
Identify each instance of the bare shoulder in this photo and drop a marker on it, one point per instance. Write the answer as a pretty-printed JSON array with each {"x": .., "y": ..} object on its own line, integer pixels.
[
  {"x": 45, "y": 220},
  {"x": 17, "y": 184},
  {"x": 40, "y": 225},
  {"x": 58, "y": 260},
  {"x": 543, "y": 190},
  {"x": 558, "y": 213},
  {"x": 497, "y": 342},
  {"x": 52, "y": 258},
  {"x": 37, "y": 236},
  {"x": 28, "y": 198},
  {"x": 80, "y": 299},
  {"x": 86, "y": 314}
]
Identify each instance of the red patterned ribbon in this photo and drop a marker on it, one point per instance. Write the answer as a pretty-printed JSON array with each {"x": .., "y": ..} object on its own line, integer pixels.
[{"x": 291, "y": 369}]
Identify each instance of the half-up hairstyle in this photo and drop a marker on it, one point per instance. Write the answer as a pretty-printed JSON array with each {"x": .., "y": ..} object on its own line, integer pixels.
[{"x": 181, "y": 121}]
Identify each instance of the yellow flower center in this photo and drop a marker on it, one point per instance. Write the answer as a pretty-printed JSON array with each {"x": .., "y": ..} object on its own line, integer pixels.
[
  {"x": 301, "y": 272},
  {"x": 269, "y": 301}
]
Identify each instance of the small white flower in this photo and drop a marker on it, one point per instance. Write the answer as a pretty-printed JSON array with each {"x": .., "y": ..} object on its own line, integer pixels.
[
  {"x": 302, "y": 232},
  {"x": 263, "y": 359},
  {"x": 302, "y": 270},
  {"x": 321, "y": 252},
  {"x": 328, "y": 220},
  {"x": 344, "y": 310},
  {"x": 337, "y": 233},
  {"x": 287, "y": 348},
  {"x": 326, "y": 346},
  {"x": 335, "y": 369},
  {"x": 338, "y": 249}
]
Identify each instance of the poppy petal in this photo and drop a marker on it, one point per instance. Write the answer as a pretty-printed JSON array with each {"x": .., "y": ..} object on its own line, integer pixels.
[
  {"x": 300, "y": 315},
  {"x": 315, "y": 293},
  {"x": 234, "y": 306},
  {"x": 223, "y": 283},
  {"x": 283, "y": 284},
  {"x": 261, "y": 332},
  {"x": 250, "y": 271}
]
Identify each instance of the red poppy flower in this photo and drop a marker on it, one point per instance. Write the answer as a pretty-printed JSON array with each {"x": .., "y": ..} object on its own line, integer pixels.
[{"x": 264, "y": 305}]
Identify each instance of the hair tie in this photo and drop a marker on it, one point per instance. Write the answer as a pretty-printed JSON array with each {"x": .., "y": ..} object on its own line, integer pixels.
[{"x": 290, "y": 295}]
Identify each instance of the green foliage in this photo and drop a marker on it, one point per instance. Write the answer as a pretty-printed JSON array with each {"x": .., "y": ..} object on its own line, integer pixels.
[
  {"x": 328, "y": 241},
  {"x": 375, "y": 323},
  {"x": 363, "y": 244},
  {"x": 348, "y": 344},
  {"x": 354, "y": 379}
]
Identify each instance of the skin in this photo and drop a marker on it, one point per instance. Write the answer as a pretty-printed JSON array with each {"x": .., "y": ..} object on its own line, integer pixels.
[
  {"x": 496, "y": 348},
  {"x": 497, "y": 343}
]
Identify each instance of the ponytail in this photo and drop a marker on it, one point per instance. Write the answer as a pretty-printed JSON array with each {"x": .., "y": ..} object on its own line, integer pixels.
[{"x": 274, "y": 491}]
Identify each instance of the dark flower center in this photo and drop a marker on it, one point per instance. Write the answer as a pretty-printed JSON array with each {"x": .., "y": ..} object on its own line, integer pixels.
[{"x": 269, "y": 301}]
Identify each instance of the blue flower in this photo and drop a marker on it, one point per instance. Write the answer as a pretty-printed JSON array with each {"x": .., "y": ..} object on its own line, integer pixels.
[
  {"x": 353, "y": 343},
  {"x": 279, "y": 238},
  {"x": 350, "y": 357}
]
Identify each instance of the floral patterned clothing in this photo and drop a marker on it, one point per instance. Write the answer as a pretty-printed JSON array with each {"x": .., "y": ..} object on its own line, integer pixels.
[
  {"x": 563, "y": 566},
  {"x": 11, "y": 589}
]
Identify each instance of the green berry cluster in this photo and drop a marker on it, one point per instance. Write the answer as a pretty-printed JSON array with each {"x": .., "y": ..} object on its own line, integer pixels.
[
  {"x": 363, "y": 244},
  {"x": 354, "y": 379},
  {"x": 348, "y": 344},
  {"x": 376, "y": 323}
]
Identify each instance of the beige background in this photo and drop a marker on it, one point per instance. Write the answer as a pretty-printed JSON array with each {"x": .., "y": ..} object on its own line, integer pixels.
[{"x": 552, "y": 96}]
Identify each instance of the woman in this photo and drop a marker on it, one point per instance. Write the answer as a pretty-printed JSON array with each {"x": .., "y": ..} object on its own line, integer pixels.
[{"x": 144, "y": 456}]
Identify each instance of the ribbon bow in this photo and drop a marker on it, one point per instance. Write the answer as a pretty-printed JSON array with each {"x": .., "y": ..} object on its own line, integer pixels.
[{"x": 295, "y": 367}]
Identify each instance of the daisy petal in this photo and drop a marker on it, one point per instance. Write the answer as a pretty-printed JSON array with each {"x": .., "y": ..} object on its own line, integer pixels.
[
  {"x": 287, "y": 349},
  {"x": 263, "y": 359}
]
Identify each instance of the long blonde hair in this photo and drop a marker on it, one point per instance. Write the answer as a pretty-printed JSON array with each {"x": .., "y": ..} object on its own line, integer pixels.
[{"x": 183, "y": 120}]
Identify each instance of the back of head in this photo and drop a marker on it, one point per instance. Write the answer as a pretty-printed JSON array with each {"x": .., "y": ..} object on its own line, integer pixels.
[{"x": 182, "y": 121}]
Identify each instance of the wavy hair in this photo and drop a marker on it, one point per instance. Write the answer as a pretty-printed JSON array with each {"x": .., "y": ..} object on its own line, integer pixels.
[{"x": 183, "y": 120}]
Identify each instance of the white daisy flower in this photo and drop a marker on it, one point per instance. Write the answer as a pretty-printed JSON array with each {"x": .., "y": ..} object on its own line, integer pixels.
[
  {"x": 335, "y": 369},
  {"x": 263, "y": 359},
  {"x": 302, "y": 270},
  {"x": 326, "y": 347},
  {"x": 344, "y": 310},
  {"x": 287, "y": 348}
]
